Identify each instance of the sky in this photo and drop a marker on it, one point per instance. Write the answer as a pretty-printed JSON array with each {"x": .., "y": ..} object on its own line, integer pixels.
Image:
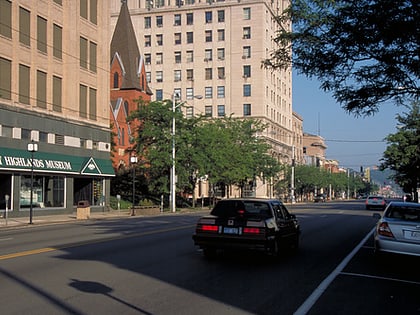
[{"x": 353, "y": 141}]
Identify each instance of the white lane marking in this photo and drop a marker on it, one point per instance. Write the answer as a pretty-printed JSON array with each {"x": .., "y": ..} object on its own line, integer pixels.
[
  {"x": 380, "y": 278},
  {"x": 311, "y": 300}
]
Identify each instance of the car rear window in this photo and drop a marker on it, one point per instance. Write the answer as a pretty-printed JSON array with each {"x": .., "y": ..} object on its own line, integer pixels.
[
  {"x": 232, "y": 208},
  {"x": 404, "y": 213}
]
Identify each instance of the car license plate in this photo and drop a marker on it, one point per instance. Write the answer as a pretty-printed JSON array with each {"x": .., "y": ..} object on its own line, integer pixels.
[
  {"x": 412, "y": 235},
  {"x": 230, "y": 230}
]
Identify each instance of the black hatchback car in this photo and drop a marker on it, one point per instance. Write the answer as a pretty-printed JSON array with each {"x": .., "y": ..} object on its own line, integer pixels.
[{"x": 247, "y": 224}]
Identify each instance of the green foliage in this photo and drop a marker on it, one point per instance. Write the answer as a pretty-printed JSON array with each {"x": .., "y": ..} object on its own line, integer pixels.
[
  {"x": 402, "y": 154},
  {"x": 226, "y": 150},
  {"x": 364, "y": 52}
]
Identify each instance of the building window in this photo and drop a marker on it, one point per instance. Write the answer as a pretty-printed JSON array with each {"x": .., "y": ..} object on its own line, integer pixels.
[
  {"x": 57, "y": 94},
  {"x": 190, "y": 37},
  {"x": 177, "y": 93},
  {"x": 208, "y": 74},
  {"x": 159, "y": 21},
  {"x": 177, "y": 19},
  {"x": 48, "y": 191},
  {"x": 208, "y": 55},
  {"x": 190, "y": 74},
  {"x": 247, "y": 71},
  {"x": 246, "y": 32},
  {"x": 159, "y": 95},
  {"x": 147, "y": 40},
  {"x": 41, "y": 89},
  {"x": 83, "y": 91},
  {"x": 159, "y": 58},
  {"x": 247, "y": 109},
  {"x": 177, "y": 37},
  {"x": 247, "y": 13},
  {"x": 209, "y": 16},
  {"x": 189, "y": 112},
  {"x": 220, "y": 92},
  {"x": 220, "y": 35},
  {"x": 5, "y": 79},
  {"x": 221, "y": 53},
  {"x": 190, "y": 56},
  {"x": 208, "y": 111},
  {"x": 221, "y": 72},
  {"x": 57, "y": 42},
  {"x": 147, "y": 22},
  {"x": 159, "y": 3},
  {"x": 85, "y": 13},
  {"x": 208, "y": 36},
  {"x": 92, "y": 56},
  {"x": 177, "y": 75},
  {"x": 247, "y": 89},
  {"x": 246, "y": 52},
  {"x": 148, "y": 77},
  {"x": 84, "y": 9},
  {"x": 92, "y": 104},
  {"x": 6, "y": 18},
  {"x": 221, "y": 16},
  {"x": 41, "y": 34},
  {"x": 221, "y": 110},
  {"x": 189, "y": 93},
  {"x": 147, "y": 59},
  {"x": 159, "y": 76},
  {"x": 25, "y": 134},
  {"x": 159, "y": 39},
  {"x": 24, "y": 84},
  {"x": 24, "y": 26},
  {"x": 178, "y": 57},
  {"x": 83, "y": 52},
  {"x": 208, "y": 92},
  {"x": 190, "y": 19}
]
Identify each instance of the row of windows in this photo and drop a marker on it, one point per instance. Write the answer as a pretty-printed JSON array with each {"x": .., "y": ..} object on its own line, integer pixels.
[
  {"x": 88, "y": 49},
  {"x": 189, "y": 37},
  {"x": 189, "y": 55},
  {"x": 221, "y": 112},
  {"x": 87, "y": 95},
  {"x": 209, "y": 17},
  {"x": 190, "y": 74},
  {"x": 43, "y": 137}
]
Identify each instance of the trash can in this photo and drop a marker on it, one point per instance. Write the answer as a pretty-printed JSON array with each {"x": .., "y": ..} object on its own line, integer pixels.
[{"x": 83, "y": 210}]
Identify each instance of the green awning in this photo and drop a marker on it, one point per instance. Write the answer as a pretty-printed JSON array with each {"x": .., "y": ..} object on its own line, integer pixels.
[{"x": 12, "y": 159}]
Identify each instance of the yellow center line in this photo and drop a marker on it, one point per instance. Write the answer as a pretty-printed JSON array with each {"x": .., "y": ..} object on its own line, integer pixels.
[{"x": 51, "y": 249}]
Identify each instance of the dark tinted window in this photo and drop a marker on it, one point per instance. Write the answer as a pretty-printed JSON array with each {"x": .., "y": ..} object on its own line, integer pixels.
[{"x": 231, "y": 208}]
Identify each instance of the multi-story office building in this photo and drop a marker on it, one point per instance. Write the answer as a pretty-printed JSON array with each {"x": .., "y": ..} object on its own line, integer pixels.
[
  {"x": 54, "y": 105},
  {"x": 215, "y": 49}
]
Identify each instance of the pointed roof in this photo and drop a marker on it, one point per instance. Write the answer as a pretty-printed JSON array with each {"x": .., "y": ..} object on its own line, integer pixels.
[{"x": 124, "y": 42}]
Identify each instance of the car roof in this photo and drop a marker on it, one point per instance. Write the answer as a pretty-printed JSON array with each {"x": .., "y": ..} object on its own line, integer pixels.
[
  {"x": 404, "y": 204},
  {"x": 252, "y": 199}
]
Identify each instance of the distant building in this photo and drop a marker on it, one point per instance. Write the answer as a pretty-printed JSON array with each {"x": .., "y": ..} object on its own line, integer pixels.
[
  {"x": 128, "y": 84},
  {"x": 314, "y": 148},
  {"x": 54, "y": 96}
]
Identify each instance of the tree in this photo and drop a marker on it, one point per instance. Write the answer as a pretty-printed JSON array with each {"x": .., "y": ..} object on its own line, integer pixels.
[
  {"x": 364, "y": 52},
  {"x": 402, "y": 154}
]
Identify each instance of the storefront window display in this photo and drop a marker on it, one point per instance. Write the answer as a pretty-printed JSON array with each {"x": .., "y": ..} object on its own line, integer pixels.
[
  {"x": 48, "y": 191},
  {"x": 89, "y": 189}
]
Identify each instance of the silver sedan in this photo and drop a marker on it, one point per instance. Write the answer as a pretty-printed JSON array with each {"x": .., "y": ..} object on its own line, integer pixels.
[{"x": 398, "y": 229}]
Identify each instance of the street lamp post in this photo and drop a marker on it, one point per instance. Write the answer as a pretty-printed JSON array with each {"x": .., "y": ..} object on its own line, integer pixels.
[
  {"x": 133, "y": 161},
  {"x": 173, "y": 173},
  {"x": 32, "y": 147}
]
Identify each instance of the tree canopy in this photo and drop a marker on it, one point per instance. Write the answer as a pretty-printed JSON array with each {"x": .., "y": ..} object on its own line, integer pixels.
[
  {"x": 403, "y": 151},
  {"x": 364, "y": 52}
]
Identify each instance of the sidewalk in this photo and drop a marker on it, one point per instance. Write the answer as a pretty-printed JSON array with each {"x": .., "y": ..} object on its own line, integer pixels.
[{"x": 58, "y": 218}]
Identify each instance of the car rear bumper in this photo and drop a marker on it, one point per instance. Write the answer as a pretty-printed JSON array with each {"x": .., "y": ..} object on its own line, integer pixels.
[
  {"x": 223, "y": 242},
  {"x": 392, "y": 246}
]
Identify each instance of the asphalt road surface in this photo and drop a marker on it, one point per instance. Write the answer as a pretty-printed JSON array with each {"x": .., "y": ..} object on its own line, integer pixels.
[{"x": 149, "y": 265}]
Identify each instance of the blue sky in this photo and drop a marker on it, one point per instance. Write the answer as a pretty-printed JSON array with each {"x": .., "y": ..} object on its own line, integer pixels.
[{"x": 353, "y": 141}]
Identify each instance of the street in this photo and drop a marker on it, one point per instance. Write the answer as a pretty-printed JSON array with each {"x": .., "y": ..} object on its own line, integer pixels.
[{"x": 149, "y": 265}]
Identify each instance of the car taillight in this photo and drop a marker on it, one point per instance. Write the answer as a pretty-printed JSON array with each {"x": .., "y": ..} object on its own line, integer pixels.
[
  {"x": 251, "y": 230},
  {"x": 207, "y": 228},
  {"x": 384, "y": 230}
]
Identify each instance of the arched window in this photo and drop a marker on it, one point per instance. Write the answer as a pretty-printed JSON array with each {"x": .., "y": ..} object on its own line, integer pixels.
[{"x": 116, "y": 79}]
